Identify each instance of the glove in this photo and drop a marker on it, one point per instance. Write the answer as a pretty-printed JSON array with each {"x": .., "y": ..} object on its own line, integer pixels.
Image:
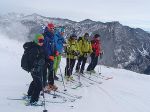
[
  {"x": 102, "y": 53},
  {"x": 76, "y": 53},
  {"x": 51, "y": 58},
  {"x": 56, "y": 53},
  {"x": 85, "y": 54},
  {"x": 65, "y": 45}
]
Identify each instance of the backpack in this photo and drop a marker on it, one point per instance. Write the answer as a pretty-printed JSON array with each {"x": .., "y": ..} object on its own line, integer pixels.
[{"x": 25, "y": 61}]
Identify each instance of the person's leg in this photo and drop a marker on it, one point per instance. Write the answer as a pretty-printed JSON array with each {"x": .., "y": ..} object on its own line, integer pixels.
[
  {"x": 56, "y": 67},
  {"x": 37, "y": 88},
  {"x": 83, "y": 64},
  {"x": 51, "y": 85},
  {"x": 31, "y": 88},
  {"x": 95, "y": 61},
  {"x": 50, "y": 73},
  {"x": 67, "y": 69},
  {"x": 57, "y": 64},
  {"x": 45, "y": 74},
  {"x": 91, "y": 63},
  {"x": 78, "y": 63},
  {"x": 72, "y": 65}
]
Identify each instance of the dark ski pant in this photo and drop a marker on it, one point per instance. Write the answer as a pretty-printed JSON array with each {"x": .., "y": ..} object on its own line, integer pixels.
[
  {"x": 93, "y": 63},
  {"x": 45, "y": 75},
  {"x": 69, "y": 66},
  {"x": 35, "y": 87},
  {"x": 49, "y": 67},
  {"x": 81, "y": 59}
]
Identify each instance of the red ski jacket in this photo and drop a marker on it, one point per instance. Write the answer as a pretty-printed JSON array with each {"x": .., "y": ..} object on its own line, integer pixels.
[{"x": 96, "y": 47}]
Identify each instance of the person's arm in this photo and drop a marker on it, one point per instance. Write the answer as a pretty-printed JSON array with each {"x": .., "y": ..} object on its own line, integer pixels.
[
  {"x": 56, "y": 48},
  {"x": 90, "y": 48},
  {"x": 33, "y": 56},
  {"x": 79, "y": 45}
]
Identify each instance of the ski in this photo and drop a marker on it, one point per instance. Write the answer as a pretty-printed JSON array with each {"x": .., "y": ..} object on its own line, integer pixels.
[
  {"x": 70, "y": 95},
  {"x": 80, "y": 84},
  {"x": 92, "y": 80},
  {"x": 65, "y": 99},
  {"x": 77, "y": 86},
  {"x": 107, "y": 78},
  {"x": 26, "y": 102},
  {"x": 103, "y": 77},
  {"x": 86, "y": 80},
  {"x": 72, "y": 84},
  {"x": 100, "y": 76},
  {"x": 15, "y": 99}
]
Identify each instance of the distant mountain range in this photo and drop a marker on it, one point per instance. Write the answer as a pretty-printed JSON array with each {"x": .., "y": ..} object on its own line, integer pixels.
[{"x": 123, "y": 46}]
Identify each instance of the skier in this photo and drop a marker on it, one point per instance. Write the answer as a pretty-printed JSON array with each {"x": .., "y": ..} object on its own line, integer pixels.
[
  {"x": 60, "y": 42},
  {"x": 72, "y": 51},
  {"x": 37, "y": 57},
  {"x": 85, "y": 50},
  {"x": 96, "y": 47},
  {"x": 50, "y": 49}
]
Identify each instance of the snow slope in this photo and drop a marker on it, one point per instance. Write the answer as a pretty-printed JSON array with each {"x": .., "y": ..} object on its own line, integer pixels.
[{"x": 126, "y": 92}]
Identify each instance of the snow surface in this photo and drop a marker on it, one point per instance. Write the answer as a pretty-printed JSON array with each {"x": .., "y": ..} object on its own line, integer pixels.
[{"x": 126, "y": 92}]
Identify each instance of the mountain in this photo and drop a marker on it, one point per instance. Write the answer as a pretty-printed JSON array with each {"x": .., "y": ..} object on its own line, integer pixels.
[
  {"x": 126, "y": 92},
  {"x": 123, "y": 47}
]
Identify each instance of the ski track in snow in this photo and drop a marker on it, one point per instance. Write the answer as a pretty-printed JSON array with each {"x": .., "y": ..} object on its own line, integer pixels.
[{"x": 126, "y": 92}]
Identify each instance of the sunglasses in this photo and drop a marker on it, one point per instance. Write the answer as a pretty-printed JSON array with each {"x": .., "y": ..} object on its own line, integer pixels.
[
  {"x": 40, "y": 40},
  {"x": 51, "y": 28}
]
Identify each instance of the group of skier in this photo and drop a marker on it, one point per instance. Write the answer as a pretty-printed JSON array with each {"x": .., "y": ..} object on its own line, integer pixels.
[{"x": 45, "y": 57}]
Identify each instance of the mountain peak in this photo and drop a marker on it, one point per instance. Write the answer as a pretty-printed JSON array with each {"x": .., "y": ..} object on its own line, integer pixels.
[
  {"x": 114, "y": 23},
  {"x": 87, "y": 20}
]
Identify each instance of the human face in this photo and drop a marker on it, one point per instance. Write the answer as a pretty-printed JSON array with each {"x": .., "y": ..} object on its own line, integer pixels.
[
  {"x": 40, "y": 42},
  {"x": 86, "y": 36},
  {"x": 52, "y": 29},
  {"x": 62, "y": 33},
  {"x": 97, "y": 39}
]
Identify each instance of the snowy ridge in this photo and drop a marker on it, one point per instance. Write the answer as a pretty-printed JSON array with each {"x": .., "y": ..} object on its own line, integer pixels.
[
  {"x": 126, "y": 92},
  {"x": 124, "y": 47}
]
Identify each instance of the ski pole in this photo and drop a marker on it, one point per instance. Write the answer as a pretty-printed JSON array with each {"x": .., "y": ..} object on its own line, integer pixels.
[
  {"x": 79, "y": 76},
  {"x": 62, "y": 79},
  {"x": 100, "y": 57},
  {"x": 99, "y": 70},
  {"x": 43, "y": 93},
  {"x": 54, "y": 96}
]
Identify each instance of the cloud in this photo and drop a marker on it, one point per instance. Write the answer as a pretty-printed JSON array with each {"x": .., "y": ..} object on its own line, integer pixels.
[
  {"x": 99, "y": 10},
  {"x": 14, "y": 30}
]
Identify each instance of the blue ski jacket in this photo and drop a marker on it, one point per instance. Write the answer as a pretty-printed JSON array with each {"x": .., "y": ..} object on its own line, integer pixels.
[
  {"x": 59, "y": 40},
  {"x": 49, "y": 43}
]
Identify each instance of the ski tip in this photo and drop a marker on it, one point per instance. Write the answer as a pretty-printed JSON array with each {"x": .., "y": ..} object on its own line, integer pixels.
[
  {"x": 54, "y": 96},
  {"x": 45, "y": 110},
  {"x": 65, "y": 89},
  {"x": 109, "y": 78},
  {"x": 71, "y": 106}
]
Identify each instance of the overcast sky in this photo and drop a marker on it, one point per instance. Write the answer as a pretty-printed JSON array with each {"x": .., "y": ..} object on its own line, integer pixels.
[{"x": 135, "y": 13}]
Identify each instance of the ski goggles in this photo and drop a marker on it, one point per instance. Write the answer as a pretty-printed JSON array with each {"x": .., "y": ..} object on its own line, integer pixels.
[{"x": 40, "y": 40}]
